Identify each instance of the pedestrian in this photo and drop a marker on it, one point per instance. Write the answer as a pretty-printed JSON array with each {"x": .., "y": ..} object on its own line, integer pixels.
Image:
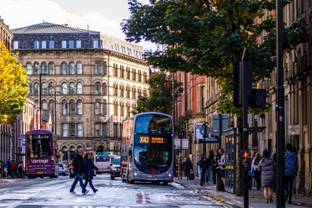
[
  {"x": 266, "y": 167},
  {"x": 7, "y": 168},
  {"x": 209, "y": 172},
  {"x": 14, "y": 169},
  {"x": 220, "y": 170},
  {"x": 189, "y": 168},
  {"x": 78, "y": 170},
  {"x": 1, "y": 169},
  {"x": 291, "y": 168},
  {"x": 184, "y": 167},
  {"x": 203, "y": 167},
  {"x": 255, "y": 168},
  {"x": 20, "y": 170},
  {"x": 88, "y": 171}
]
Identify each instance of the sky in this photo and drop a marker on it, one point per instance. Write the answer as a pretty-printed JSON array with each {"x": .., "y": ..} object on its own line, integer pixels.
[{"x": 100, "y": 15}]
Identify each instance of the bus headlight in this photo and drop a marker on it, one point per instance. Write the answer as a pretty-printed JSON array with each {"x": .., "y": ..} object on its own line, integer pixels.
[
  {"x": 169, "y": 175},
  {"x": 135, "y": 173}
]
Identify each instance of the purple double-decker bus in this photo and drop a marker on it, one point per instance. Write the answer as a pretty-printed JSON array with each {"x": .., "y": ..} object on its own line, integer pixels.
[{"x": 40, "y": 154}]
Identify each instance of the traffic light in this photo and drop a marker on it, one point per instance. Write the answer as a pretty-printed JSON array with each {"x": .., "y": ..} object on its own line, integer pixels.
[{"x": 245, "y": 159}]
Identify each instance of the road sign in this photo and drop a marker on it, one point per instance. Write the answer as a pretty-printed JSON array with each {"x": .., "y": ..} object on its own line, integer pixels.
[
  {"x": 210, "y": 137},
  {"x": 256, "y": 129}
]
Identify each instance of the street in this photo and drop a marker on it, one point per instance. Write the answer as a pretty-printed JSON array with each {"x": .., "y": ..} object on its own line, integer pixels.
[{"x": 46, "y": 192}]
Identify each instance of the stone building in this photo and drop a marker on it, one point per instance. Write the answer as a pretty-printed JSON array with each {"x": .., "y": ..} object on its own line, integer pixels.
[
  {"x": 89, "y": 82},
  {"x": 5, "y": 34}
]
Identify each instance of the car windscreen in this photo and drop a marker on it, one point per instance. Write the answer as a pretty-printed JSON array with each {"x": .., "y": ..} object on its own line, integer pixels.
[{"x": 117, "y": 161}]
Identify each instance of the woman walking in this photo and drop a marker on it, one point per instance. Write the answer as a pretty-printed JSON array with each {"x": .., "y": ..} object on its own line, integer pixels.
[
  {"x": 88, "y": 171},
  {"x": 255, "y": 168},
  {"x": 266, "y": 167}
]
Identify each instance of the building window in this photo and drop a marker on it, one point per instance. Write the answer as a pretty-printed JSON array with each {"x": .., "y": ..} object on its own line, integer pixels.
[
  {"x": 140, "y": 76},
  {"x": 36, "y": 68},
  {"x": 202, "y": 98},
  {"x": 71, "y": 44},
  {"x": 51, "y": 68},
  {"x": 115, "y": 109},
  {"x": 71, "y": 68},
  {"x": 115, "y": 90},
  {"x": 44, "y": 69},
  {"x": 122, "y": 110},
  {"x": 115, "y": 129},
  {"x": 115, "y": 70},
  {"x": 79, "y": 68},
  {"x": 98, "y": 107},
  {"x": 72, "y": 130},
  {"x": 65, "y": 130},
  {"x": 71, "y": 88},
  {"x": 104, "y": 108},
  {"x": 43, "y": 44},
  {"x": 51, "y": 88},
  {"x": 36, "y": 44},
  {"x": 128, "y": 110},
  {"x": 128, "y": 92},
  {"x": 64, "y": 88},
  {"x": 15, "y": 45},
  {"x": 95, "y": 44},
  {"x": 128, "y": 72},
  {"x": 145, "y": 77},
  {"x": 104, "y": 69},
  {"x": 44, "y": 89},
  {"x": 97, "y": 88},
  {"x": 64, "y": 44},
  {"x": 29, "y": 69},
  {"x": 51, "y": 44},
  {"x": 122, "y": 90},
  {"x": 64, "y": 108},
  {"x": 78, "y": 43},
  {"x": 122, "y": 70},
  {"x": 79, "y": 88},
  {"x": 79, "y": 107},
  {"x": 133, "y": 75},
  {"x": 104, "y": 89},
  {"x": 36, "y": 88},
  {"x": 64, "y": 68},
  {"x": 97, "y": 69},
  {"x": 100, "y": 129},
  {"x": 30, "y": 88},
  {"x": 133, "y": 93},
  {"x": 72, "y": 108},
  {"x": 45, "y": 111}
]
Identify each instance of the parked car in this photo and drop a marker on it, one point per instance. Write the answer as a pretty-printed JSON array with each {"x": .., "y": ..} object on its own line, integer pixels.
[
  {"x": 62, "y": 169},
  {"x": 115, "y": 167}
]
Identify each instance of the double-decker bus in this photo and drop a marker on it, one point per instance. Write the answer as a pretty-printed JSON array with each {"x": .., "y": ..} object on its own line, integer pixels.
[
  {"x": 40, "y": 154},
  {"x": 147, "y": 148}
]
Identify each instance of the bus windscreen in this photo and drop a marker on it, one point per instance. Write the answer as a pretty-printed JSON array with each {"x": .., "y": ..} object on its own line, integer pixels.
[
  {"x": 153, "y": 124},
  {"x": 39, "y": 145}
]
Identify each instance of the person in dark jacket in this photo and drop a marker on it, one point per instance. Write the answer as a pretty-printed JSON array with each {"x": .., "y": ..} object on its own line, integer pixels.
[
  {"x": 266, "y": 167},
  {"x": 88, "y": 171},
  {"x": 291, "y": 168},
  {"x": 203, "y": 166},
  {"x": 78, "y": 170}
]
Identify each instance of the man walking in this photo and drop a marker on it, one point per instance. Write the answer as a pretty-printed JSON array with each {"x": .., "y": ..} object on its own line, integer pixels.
[
  {"x": 291, "y": 167},
  {"x": 78, "y": 170}
]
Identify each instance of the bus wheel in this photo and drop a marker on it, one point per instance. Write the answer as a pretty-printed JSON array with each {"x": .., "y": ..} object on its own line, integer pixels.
[
  {"x": 112, "y": 177},
  {"x": 131, "y": 181}
]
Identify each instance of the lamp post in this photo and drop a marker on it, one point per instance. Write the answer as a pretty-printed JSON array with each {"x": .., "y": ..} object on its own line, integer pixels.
[
  {"x": 280, "y": 136},
  {"x": 40, "y": 95}
]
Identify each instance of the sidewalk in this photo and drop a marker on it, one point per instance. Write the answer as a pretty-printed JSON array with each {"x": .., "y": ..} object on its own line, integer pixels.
[
  {"x": 256, "y": 198},
  {"x": 7, "y": 181}
]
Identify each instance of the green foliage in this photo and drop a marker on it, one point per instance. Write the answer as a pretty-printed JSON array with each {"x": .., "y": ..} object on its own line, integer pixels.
[
  {"x": 13, "y": 86},
  {"x": 208, "y": 36},
  {"x": 160, "y": 94}
]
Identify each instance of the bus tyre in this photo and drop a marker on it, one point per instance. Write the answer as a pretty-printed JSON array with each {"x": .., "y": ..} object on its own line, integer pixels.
[
  {"x": 165, "y": 183},
  {"x": 112, "y": 177}
]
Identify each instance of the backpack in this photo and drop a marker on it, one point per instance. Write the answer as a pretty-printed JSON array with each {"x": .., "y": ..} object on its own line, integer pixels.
[
  {"x": 14, "y": 166},
  {"x": 291, "y": 164}
]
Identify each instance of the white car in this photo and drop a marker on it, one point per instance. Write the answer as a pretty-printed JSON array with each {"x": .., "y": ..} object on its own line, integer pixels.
[{"x": 62, "y": 169}]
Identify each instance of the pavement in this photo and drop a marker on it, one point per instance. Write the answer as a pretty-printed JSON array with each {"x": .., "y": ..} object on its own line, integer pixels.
[{"x": 256, "y": 199}]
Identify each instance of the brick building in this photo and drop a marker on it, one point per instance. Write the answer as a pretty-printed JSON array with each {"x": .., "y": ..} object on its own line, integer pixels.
[{"x": 90, "y": 82}]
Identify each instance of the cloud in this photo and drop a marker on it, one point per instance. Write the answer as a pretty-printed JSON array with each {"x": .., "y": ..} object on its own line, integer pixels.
[{"x": 21, "y": 13}]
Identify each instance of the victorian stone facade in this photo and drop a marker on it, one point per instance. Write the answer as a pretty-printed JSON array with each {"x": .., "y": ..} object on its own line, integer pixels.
[{"x": 89, "y": 83}]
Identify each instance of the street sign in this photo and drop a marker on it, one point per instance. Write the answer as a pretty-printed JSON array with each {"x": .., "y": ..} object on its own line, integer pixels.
[
  {"x": 256, "y": 129},
  {"x": 216, "y": 122},
  {"x": 200, "y": 134},
  {"x": 177, "y": 143}
]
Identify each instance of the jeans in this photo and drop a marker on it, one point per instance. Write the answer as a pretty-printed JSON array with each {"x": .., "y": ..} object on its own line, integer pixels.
[
  {"x": 209, "y": 175},
  {"x": 289, "y": 186},
  {"x": 89, "y": 180},
  {"x": 78, "y": 177}
]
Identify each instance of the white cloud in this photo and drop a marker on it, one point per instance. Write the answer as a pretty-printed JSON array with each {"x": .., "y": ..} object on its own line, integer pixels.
[{"x": 20, "y": 13}]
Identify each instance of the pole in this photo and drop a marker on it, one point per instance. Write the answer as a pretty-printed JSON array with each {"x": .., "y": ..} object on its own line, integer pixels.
[
  {"x": 220, "y": 130},
  {"x": 204, "y": 142},
  {"x": 55, "y": 111},
  {"x": 280, "y": 136},
  {"x": 40, "y": 102}
]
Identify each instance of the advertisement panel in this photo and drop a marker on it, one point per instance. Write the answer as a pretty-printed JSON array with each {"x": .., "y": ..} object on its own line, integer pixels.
[{"x": 200, "y": 134}]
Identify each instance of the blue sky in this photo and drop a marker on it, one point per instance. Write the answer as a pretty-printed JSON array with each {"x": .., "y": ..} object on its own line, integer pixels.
[{"x": 100, "y": 15}]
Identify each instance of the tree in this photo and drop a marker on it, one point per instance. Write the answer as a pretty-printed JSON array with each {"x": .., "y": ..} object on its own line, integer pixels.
[
  {"x": 208, "y": 36},
  {"x": 13, "y": 86},
  {"x": 160, "y": 94}
]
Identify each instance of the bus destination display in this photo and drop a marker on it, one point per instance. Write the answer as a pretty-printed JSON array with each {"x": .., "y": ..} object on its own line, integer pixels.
[{"x": 153, "y": 140}]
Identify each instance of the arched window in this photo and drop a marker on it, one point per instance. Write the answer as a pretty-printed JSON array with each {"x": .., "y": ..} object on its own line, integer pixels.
[
  {"x": 51, "y": 68},
  {"x": 122, "y": 111},
  {"x": 30, "y": 88},
  {"x": 44, "y": 69},
  {"x": 79, "y": 88},
  {"x": 122, "y": 90},
  {"x": 140, "y": 76},
  {"x": 97, "y": 88},
  {"x": 79, "y": 68},
  {"x": 71, "y": 88},
  {"x": 45, "y": 111},
  {"x": 51, "y": 88},
  {"x": 36, "y": 68},
  {"x": 128, "y": 92},
  {"x": 133, "y": 74},
  {"x": 115, "y": 89},
  {"x": 29, "y": 69},
  {"x": 64, "y": 108},
  {"x": 51, "y": 107},
  {"x": 79, "y": 107},
  {"x": 64, "y": 68},
  {"x": 133, "y": 93},
  {"x": 44, "y": 89},
  {"x": 72, "y": 107},
  {"x": 36, "y": 88},
  {"x": 37, "y": 104},
  {"x": 72, "y": 68},
  {"x": 104, "y": 89},
  {"x": 64, "y": 88}
]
